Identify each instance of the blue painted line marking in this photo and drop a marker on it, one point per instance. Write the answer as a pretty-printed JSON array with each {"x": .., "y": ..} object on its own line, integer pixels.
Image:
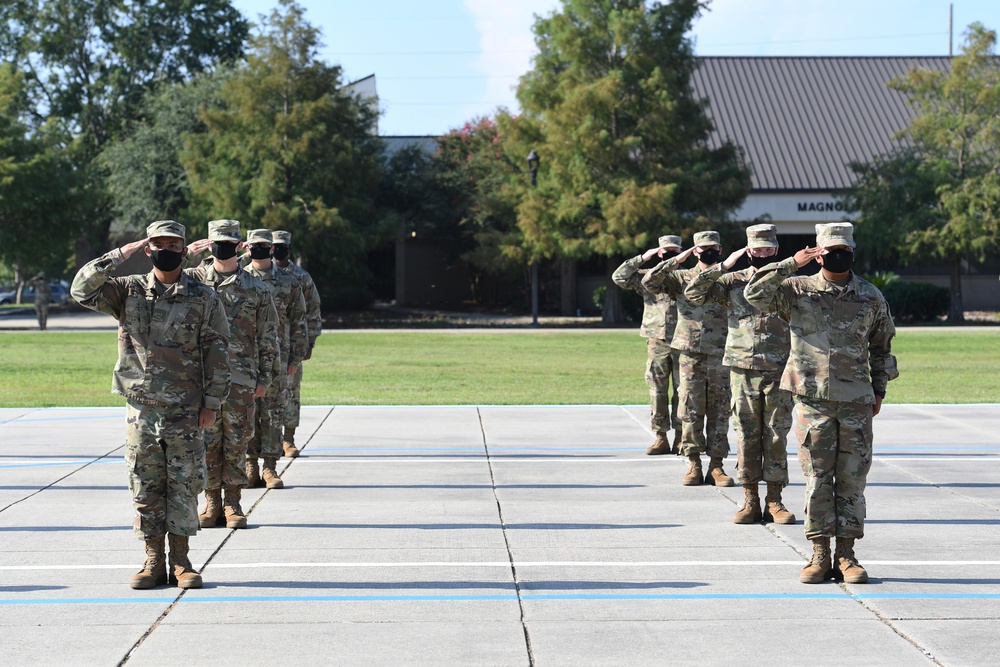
[
  {"x": 61, "y": 419},
  {"x": 117, "y": 459},
  {"x": 500, "y": 597}
]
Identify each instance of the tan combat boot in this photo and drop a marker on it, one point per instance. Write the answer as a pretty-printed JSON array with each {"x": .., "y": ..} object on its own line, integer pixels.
[
  {"x": 182, "y": 573},
  {"x": 270, "y": 475},
  {"x": 774, "y": 509},
  {"x": 253, "y": 473},
  {"x": 288, "y": 443},
  {"x": 212, "y": 514},
  {"x": 819, "y": 568},
  {"x": 235, "y": 518},
  {"x": 716, "y": 475},
  {"x": 660, "y": 445},
  {"x": 846, "y": 566},
  {"x": 154, "y": 570},
  {"x": 693, "y": 477},
  {"x": 750, "y": 512}
]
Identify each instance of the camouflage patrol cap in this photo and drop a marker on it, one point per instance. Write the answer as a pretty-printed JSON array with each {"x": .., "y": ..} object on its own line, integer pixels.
[
  {"x": 224, "y": 230},
  {"x": 165, "y": 228},
  {"x": 259, "y": 236},
  {"x": 670, "y": 241},
  {"x": 833, "y": 234},
  {"x": 707, "y": 238},
  {"x": 762, "y": 236},
  {"x": 283, "y": 237}
]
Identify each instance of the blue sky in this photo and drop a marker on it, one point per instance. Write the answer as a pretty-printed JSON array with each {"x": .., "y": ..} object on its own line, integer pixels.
[{"x": 440, "y": 63}]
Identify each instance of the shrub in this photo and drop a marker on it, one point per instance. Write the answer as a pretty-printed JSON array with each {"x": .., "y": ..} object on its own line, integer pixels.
[{"x": 916, "y": 302}]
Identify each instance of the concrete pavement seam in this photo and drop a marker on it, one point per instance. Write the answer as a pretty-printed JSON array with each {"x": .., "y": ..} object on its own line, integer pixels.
[
  {"x": 69, "y": 474},
  {"x": 506, "y": 541}
]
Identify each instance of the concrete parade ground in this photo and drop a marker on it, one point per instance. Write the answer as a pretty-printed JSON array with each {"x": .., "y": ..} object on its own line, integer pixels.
[{"x": 499, "y": 535}]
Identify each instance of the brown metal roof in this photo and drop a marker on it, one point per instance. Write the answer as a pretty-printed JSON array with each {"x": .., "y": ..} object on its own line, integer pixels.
[{"x": 802, "y": 120}]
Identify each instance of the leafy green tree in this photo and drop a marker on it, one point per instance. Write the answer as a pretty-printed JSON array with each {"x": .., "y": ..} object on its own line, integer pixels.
[
  {"x": 623, "y": 141},
  {"x": 288, "y": 149},
  {"x": 37, "y": 185},
  {"x": 939, "y": 199}
]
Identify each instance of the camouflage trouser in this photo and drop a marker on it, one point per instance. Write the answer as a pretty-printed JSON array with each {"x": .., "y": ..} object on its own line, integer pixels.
[
  {"x": 835, "y": 450},
  {"x": 294, "y": 401},
  {"x": 269, "y": 410},
  {"x": 42, "y": 312},
  {"x": 704, "y": 404},
  {"x": 165, "y": 457},
  {"x": 226, "y": 440},
  {"x": 762, "y": 415},
  {"x": 662, "y": 378}
]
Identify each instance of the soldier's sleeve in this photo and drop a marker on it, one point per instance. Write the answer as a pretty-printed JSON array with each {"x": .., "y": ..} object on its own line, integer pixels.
[
  {"x": 705, "y": 287},
  {"x": 627, "y": 275},
  {"x": 880, "y": 357},
  {"x": 94, "y": 287},
  {"x": 314, "y": 315},
  {"x": 214, "y": 339},
  {"x": 298, "y": 327},
  {"x": 766, "y": 290},
  {"x": 267, "y": 339},
  {"x": 660, "y": 279}
]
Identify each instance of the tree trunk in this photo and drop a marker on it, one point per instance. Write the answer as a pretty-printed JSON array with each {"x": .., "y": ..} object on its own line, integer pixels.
[
  {"x": 614, "y": 311},
  {"x": 956, "y": 312}
]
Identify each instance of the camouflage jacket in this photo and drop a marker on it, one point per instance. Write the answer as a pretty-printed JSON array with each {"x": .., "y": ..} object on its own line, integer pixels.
[
  {"x": 253, "y": 323},
  {"x": 841, "y": 338},
  {"x": 314, "y": 318},
  {"x": 171, "y": 339},
  {"x": 293, "y": 334},
  {"x": 701, "y": 329},
  {"x": 659, "y": 312},
  {"x": 43, "y": 293},
  {"x": 757, "y": 340}
]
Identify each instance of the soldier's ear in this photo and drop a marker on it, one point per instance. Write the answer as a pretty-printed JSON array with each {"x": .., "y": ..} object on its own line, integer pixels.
[{"x": 146, "y": 249}]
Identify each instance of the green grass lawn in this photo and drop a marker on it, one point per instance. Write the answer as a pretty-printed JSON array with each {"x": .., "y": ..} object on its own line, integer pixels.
[{"x": 430, "y": 368}]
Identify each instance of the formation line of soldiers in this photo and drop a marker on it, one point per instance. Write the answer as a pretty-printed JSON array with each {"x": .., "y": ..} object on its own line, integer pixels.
[
  {"x": 753, "y": 344},
  {"x": 210, "y": 364}
]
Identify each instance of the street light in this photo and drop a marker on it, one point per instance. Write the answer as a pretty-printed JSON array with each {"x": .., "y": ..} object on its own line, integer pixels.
[{"x": 533, "y": 161}]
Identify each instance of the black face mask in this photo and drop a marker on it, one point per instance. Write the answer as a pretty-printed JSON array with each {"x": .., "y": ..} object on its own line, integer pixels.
[
  {"x": 260, "y": 252},
  {"x": 280, "y": 252},
  {"x": 709, "y": 255},
  {"x": 166, "y": 260},
  {"x": 223, "y": 250},
  {"x": 838, "y": 261},
  {"x": 761, "y": 262},
  {"x": 667, "y": 254}
]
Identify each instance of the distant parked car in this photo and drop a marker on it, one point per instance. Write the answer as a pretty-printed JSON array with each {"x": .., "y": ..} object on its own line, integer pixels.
[{"x": 60, "y": 295}]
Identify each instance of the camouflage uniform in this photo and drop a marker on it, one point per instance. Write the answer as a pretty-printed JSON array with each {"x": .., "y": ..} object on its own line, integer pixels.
[
  {"x": 314, "y": 324},
  {"x": 292, "y": 341},
  {"x": 253, "y": 356},
  {"x": 700, "y": 338},
  {"x": 756, "y": 351},
  {"x": 43, "y": 294},
  {"x": 172, "y": 362},
  {"x": 659, "y": 318},
  {"x": 840, "y": 359}
]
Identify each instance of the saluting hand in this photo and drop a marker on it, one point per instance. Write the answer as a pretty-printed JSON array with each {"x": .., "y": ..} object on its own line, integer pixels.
[
  {"x": 806, "y": 255},
  {"x": 129, "y": 248},
  {"x": 199, "y": 246},
  {"x": 649, "y": 254},
  {"x": 733, "y": 258}
]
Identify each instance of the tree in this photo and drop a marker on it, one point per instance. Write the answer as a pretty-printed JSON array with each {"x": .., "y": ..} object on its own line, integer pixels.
[
  {"x": 37, "y": 186},
  {"x": 946, "y": 179},
  {"x": 89, "y": 63},
  {"x": 623, "y": 141},
  {"x": 288, "y": 149}
]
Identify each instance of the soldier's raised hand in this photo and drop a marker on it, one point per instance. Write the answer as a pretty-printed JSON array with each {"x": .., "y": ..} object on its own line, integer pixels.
[
  {"x": 199, "y": 246},
  {"x": 734, "y": 257},
  {"x": 129, "y": 248},
  {"x": 650, "y": 254},
  {"x": 806, "y": 255}
]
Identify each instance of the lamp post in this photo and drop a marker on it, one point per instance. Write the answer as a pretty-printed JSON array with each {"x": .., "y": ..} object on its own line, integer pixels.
[{"x": 533, "y": 169}]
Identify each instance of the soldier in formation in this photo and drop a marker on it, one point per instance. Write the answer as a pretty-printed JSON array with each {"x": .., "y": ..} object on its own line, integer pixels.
[
  {"x": 43, "y": 294},
  {"x": 659, "y": 319},
  {"x": 699, "y": 338},
  {"x": 756, "y": 351},
  {"x": 253, "y": 361},
  {"x": 173, "y": 370},
  {"x": 837, "y": 372},
  {"x": 282, "y": 248}
]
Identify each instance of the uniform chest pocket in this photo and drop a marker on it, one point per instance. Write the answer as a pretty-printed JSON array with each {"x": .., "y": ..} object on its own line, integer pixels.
[
  {"x": 808, "y": 314},
  {"x": 179, "y": 327},
  {"x": 854, "y": 317},
  {"x": 137, "y": 317}
]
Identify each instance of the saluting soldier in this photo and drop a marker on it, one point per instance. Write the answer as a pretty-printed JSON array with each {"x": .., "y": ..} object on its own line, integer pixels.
[
  {"x": 173, "y": 370},
  {"x": 840, "y": 364}
]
